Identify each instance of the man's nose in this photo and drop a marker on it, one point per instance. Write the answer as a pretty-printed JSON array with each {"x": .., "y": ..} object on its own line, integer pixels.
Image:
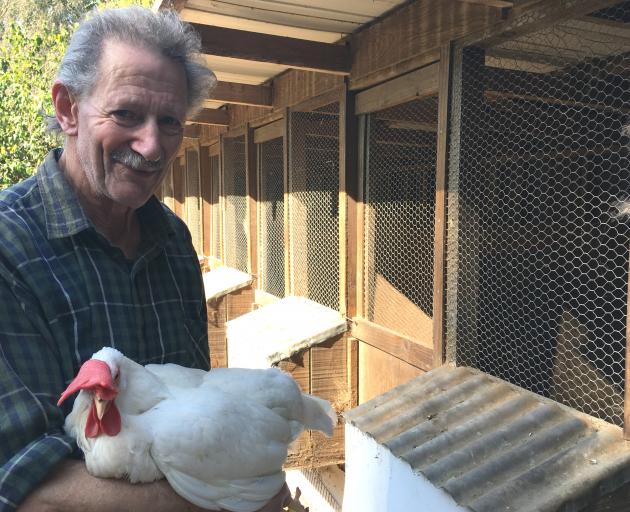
[{"x": 147, "y": 140}]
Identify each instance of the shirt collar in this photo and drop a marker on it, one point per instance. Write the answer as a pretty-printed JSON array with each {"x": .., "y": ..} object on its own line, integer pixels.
[
  {"x": 63, "y": 213},
  {"x": 65, "y": 216}
]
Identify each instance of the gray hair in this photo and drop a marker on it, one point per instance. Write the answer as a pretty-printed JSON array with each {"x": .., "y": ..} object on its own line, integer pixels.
[{"x": 162, "y": 31}]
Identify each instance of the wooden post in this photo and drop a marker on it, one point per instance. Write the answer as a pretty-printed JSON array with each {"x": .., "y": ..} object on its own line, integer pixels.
[
  {"x": 440, "y": 206},
  {"x": 288, "y": 278},
  {"x": 252, "y": 200},
  {"x": 206, "y": 200}
]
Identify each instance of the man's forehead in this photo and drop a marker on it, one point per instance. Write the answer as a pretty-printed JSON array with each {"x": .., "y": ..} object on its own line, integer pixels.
[{"x": 132, "y": 72}]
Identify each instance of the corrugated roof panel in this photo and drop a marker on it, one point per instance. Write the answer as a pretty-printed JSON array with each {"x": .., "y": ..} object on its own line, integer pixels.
[{"x": 493, "y": 446}]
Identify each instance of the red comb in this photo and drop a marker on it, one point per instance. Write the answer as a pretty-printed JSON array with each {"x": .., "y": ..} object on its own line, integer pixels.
[{"x": 92, "y": 374}]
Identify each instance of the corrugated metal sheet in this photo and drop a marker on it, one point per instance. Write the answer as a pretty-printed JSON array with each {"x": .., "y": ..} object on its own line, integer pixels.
[{"x": 496, "y": 447}]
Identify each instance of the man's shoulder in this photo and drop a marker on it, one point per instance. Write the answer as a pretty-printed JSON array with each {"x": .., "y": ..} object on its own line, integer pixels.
[{"x": 18, "y": 199}]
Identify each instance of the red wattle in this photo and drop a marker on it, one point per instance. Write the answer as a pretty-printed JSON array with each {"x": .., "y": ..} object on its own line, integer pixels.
[{"x": 110, "y": 424}]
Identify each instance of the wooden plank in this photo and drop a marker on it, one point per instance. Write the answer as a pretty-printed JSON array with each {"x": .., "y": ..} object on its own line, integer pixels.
[
  {"x": 392, "y": 343},
  {"x": 192, "y": 131},
  {"x": 288, "y": 278},
  {"x": 318, "y": 101},
  {"x": 353, "y": 370},
  {"x": 499, "y": 4},
  {"x": 394, "y": 70},
  {"x": 214, "y": 149},
  {"x": 533, "y": 16},
  {"x": 359, "y": 231},
  {"x": 269, "y": 131},
  {"x": 295, "y": 86},
  {"x": 626, "y": 401},
  {"x": 379, "y": 372},
  {"x": 212, "y": 116},
  {"x": 179, "y": 192},
  {"x": 206, "y": 199},
  {"x": 345, "y": 145},
  {"x": 349, "y": 172},
  {"x": 252, "y": 199},
  {"x": 419, "y": 84},
  {"x": 440, "y": 208},
  {"x": 329, "y": 381},
  {"x": 412, "y": 36},
  {"x": 296, "y": 53},
  {"x": 242, "y": 94}
]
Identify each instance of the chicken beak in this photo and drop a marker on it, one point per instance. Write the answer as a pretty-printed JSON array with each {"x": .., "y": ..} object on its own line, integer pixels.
[{"x": 101, "y": 407}]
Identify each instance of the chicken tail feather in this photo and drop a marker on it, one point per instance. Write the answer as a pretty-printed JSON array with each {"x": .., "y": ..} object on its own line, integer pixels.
[{"x": 319, "y": 414}]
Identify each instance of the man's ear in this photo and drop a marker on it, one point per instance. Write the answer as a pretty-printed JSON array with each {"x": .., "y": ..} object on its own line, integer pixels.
[{"x": 66, "y": 108}]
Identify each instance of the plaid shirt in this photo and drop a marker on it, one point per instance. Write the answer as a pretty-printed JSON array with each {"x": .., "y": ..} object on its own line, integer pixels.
[{"x": 65, "y": 292}]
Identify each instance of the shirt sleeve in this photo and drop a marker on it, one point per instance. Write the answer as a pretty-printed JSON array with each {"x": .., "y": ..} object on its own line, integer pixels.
[{"x": 32, "y": 441}]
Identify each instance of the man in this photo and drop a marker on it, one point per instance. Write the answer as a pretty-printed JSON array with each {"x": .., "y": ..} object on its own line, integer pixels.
[{"x": 89, "y": 257}]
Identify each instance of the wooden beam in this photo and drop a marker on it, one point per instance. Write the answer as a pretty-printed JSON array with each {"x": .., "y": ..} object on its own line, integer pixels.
[
  {"x": 287, "y": 51},
  {"x": 499, "y": 4},
  {"x": 439, "y": 254},
  {"x": 192, "y": 131},
  {"x": 420, "y": 83},
  {"x": 392, "y": 343},
  {"x": 242, "y": 94},
  {"x": 212, "y": 116},
  {"x": 269, "y": 131}
]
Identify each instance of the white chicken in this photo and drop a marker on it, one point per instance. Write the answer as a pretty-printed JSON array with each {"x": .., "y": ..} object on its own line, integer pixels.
[{"x": 220, "y": 437}]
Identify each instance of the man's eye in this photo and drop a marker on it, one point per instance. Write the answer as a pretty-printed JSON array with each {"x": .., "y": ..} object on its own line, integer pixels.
[
  {"x": 170, "y": 124},
  {"x": 125, "y": 116}
]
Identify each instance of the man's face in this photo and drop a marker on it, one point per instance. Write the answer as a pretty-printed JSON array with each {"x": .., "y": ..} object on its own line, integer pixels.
[{"x": 134, "y": 116}]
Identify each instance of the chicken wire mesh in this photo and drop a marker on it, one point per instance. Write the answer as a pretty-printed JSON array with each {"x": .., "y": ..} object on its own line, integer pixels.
[
  {"x": 235, "y": 206},
  {"x": 314, "y": 204},
  {"x": 271, "y": 216},
  {"x": 537, "y": 257},
  {"x": 215, "y": 211},
  {"x": 399, "y": 210},
  {"x": 193, "y": 198}
]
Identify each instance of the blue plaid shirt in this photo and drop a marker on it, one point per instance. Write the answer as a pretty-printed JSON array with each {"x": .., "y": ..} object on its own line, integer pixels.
[{"x": 65, "y": 292}]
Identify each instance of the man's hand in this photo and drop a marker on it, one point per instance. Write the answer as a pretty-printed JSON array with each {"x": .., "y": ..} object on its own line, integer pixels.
[{"x": 70, "y": 488}]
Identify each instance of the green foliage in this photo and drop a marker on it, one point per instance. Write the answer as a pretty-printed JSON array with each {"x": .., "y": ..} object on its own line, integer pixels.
[
  {"x": 28, "y": 62},
  {"x": 33, "y": 38}
]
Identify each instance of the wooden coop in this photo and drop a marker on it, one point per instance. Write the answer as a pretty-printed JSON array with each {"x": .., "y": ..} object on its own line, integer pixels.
[{"x": 445, "y": 176}]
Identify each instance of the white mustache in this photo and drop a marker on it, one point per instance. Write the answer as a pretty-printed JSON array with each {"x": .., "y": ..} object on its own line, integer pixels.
[{"x": 136, "y": 161}]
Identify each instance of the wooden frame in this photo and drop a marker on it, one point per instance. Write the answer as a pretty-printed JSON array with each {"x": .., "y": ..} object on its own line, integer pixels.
[
  {"x": 193, "y": 210},
  {"x": 428, "y": 81}
]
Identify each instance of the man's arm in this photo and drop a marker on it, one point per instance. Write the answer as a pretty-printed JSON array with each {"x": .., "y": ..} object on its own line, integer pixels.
[{"x": 72, "y": 489}]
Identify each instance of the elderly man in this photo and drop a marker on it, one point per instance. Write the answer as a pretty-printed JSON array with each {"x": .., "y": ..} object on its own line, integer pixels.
[{"x": 89, "y": 257}]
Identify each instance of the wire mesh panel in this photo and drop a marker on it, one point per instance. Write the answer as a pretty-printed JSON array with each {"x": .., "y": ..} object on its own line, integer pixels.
[
  {"x": 179, "y": 189},
  {"x": 235, "y": 197},
  {"x": 399, "y": 199},
  {"x": 193, "y": 198},
  {"x": 215, "y": 231},
  {"x": 537, "y": 257},
  {"x": 271, "y": 219},
  {"x": 314, "y": 204}
]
